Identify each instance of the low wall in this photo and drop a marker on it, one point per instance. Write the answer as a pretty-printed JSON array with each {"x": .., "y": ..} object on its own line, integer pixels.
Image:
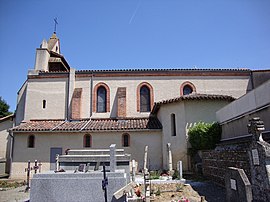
[{"x": 215, "y": 162}]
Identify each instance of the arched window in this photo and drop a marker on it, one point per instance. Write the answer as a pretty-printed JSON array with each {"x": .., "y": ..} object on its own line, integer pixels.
[
  {"x": 145, "y": 99},
  {"x": 125, "y": 140},
  {"x": 31, "y": 141},
  {"x": 101, "y": 99},
  {"x": 173, "y": 125},
  {"x": 87, "y": 141},
  {"x": 187, "y": 88}
]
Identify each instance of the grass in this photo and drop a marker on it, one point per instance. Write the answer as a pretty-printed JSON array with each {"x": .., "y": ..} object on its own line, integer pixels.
[
  {"x": 6, "y": 184},
  {"x": 154, "y": 175}
]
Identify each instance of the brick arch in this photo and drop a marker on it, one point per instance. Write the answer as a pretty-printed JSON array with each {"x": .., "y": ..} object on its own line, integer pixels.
[
  {"x": 107, "y": 96},
  {"x": 187, "y": 83},
  {"x": 151, "y": 95}
]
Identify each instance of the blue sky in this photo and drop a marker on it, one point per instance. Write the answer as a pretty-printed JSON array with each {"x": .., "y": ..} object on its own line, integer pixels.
[{"x": 99, "y": 34}]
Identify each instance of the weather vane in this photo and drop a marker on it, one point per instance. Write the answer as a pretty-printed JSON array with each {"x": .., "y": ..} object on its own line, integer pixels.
[{"x": 55, "y": 23}]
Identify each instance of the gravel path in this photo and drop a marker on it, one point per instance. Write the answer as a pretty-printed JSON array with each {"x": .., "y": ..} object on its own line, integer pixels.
[
  {"x": 211, "y": 191},
  {"x": 16, "y": 194}
]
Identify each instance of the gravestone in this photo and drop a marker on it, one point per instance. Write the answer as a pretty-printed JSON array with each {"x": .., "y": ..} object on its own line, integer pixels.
[
  {"x": 259, "y": 158},
  {"x": 81, "y": 168},
  {"x": 97, "y": 166},
  {"x": 145, "y": 159},
  {"x": 87, "y": 167},
  {"x": 180, "y": 169},
  {"x": 169, "y": 157},
  {"x": 238, "y": 187},
  {"x": 112, "y": 158},
  {"x": 78, "y": 186},
  {"x": 82, "y": 186}
]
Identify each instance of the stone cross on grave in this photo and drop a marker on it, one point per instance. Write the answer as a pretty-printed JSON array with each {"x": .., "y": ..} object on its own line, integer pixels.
[
  {"x": 35, "y": 166},
  {"x": 255, "y": 127},
  {"x": 28, "y": 170}
]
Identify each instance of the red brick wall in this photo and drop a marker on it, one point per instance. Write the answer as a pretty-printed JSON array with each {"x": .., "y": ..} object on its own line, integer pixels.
[
  {"x": 121, "y": 102},
  {"x": 76, "y": 103}
]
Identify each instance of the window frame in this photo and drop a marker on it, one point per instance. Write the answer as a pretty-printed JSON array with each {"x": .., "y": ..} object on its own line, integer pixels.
[
  {"x": 95, "y": 97},
  {"x": 187, "y": 83},
  {"x": 145, "y": 107},
  {"x": 101, "y": 109}
]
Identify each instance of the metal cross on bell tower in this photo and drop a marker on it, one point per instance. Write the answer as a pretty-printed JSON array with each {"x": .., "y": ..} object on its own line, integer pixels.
[{"x": 55, "y": 24}]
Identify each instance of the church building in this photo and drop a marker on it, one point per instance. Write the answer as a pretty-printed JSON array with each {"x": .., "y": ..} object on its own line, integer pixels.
[{"x": 62, "y": 108}]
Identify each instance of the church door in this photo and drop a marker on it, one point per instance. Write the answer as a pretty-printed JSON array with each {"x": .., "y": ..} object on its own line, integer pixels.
[{"x": 54, "y": 151}]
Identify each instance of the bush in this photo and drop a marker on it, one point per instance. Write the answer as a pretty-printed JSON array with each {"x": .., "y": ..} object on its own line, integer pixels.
[{"x": 204, "y": 136}]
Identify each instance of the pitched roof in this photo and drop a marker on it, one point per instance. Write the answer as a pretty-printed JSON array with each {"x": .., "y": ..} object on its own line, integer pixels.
[
  {"x": 90, "y": 125},
  {"x": 7, "y": 117},
  {"x": 193, "y": 96},
  {"x": 52, "y": 41}
]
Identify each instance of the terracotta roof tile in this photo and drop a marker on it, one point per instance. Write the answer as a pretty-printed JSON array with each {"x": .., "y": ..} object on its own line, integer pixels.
[
  {"x": 164, "y": 70},
  {"x": 91, "y": 125},
  {"x": 36, "y": 125},
  {"x": 194, "y": 96}
]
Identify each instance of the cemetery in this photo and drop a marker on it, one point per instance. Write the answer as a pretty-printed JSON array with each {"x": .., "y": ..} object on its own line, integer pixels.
[{"x": 125, "y": 135}]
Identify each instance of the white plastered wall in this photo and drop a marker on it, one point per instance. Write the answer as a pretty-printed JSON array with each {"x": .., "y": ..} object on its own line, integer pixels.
[
  {"x": 166, "y": 87},
  {"x": 4, "y": 137},
  {"x": 187, "y": 113},
  {"x": 54, "y": 91}
]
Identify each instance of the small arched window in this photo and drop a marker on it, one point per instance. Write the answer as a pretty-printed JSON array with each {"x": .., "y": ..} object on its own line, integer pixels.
[
  {"x": 125, "y": 140},
  {"x": 101, "y": 99},
  {"x": 173, "y": 125},
  {"x": 31, "y": 141},
  {"x": 187, "y": 90},
  {"x": 87, "y": 141},
  {"x": 145, "y": 99}
]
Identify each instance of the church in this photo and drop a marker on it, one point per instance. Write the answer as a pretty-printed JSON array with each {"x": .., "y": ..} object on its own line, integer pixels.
[{"x": 61, "y": 108}]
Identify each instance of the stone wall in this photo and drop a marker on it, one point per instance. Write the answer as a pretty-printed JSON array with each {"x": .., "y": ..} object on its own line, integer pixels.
[{"x": 215, "y": 162}]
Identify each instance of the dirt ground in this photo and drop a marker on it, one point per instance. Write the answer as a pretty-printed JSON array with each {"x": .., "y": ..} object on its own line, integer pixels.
[{"x": 174, "y": 192}]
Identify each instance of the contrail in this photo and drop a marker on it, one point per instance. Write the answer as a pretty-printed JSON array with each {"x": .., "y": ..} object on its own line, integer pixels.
[{"x": 134, "y": 13}]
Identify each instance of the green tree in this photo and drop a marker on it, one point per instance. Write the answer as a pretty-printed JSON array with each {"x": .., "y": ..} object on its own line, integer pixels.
[
  {"x": 204, "y": 136},
  {"x": 4, "y": 108}
]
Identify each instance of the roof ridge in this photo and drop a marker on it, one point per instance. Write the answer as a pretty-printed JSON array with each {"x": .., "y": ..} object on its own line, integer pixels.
[{"x": 161, "y": 69}]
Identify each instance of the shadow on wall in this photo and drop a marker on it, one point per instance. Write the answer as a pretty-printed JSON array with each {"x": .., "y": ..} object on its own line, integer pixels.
[{"x": 113, "y": 113}]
